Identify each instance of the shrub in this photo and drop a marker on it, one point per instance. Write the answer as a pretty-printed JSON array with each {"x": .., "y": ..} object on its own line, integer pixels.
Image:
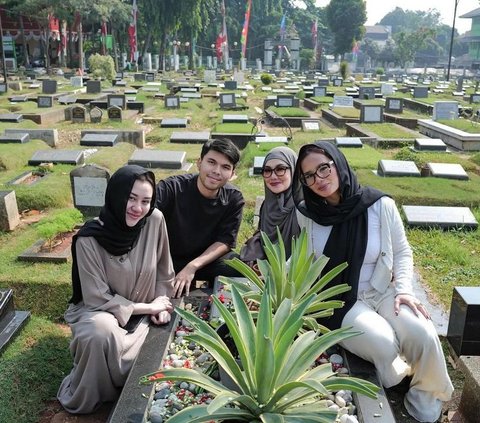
[
  {"x": 344, "y": 69},
  {"x": 101, "y": 66},
  {"x": 379, "y": 71},
  {"x": 57, "y": 223},
  {"x": 266, "y": 78}
]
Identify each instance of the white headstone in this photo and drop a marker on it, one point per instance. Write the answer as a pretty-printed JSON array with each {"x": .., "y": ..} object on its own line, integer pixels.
[
  {"x": 445, "y": 110},
  {"x": 387, "y": 89},
  {"x": 342, "y": 101}
]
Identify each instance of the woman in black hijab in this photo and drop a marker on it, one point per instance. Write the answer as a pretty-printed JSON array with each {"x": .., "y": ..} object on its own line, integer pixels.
[
  {"x": 362, "y": 226},
  {"x": 121, "y": 271}
]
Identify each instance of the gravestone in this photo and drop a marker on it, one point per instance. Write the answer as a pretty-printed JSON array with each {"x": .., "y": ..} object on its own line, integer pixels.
[
  {"x": 397, "y": 168},
  {"x": 440, "y": 217},
  {"x": 18, "y": 138},
  {"x": 234, "y": 119},
  {"x": 94, "y": 87},
  {"x": 323, "y": 82},
  {"x": 394, "y": 105},
  {"x": 159, "y": 159},
  {"x": 367, "y": 93},
  {"x": 78, "y": 114},
  {"x": 67, "y": 99},
  {"x": 72, "y": 157},
  {"x": 76, "y": 81},
  {"x": 371, "y": 114},
  {"x": 89, "y": 184},
  {"x": 475, "y": 98},
  {"x": 173, "y": 123},
  {"x": 150, "y": 77},
  {"x": 464, "y": 321},
  {"x": 337, "y": 81},
  {"x": 231, "y": 85},
  {"x": 96, "y": 115},
  {"x": 99, "y": 139},
  {"x": 310, "y": 125},
  {"x": 445, "y": 110},
  {"x": 114, "y": 113},
  {"x": 227, "y": 100},
  {"x": 386, "y": 89},
  {"x": 399, "y": 79},
  {"x": 172, "y": 102},
  {"x": 11, "y": 117},
  {"x": 9, "y": 216},
  {"x": 319, "y": 91},
  {"x": 258, "y": 165},
  {"x": 348, "y": 142},
  {"x": 429, "y": 144},
  {"x": 239, "y": 77},
  {"x": 447, "y": 170},
  {"x": 118, "y": 100},
  {"x": 420, "y": 92},
  {"x": 186, "y": 137},
  {"x": 45, "y": 101},
  {"x": 3, "y": 88},
  {"x": 139, "y": 77},
  {"x": 18, "y": 99},
  {"x": 285, "y": 101},
  {"x": 209, "y": 76},
  {"x": 342, "y": 101},
  {"x": 49, "y": 86},
  {"x": 11, "y": 320}
]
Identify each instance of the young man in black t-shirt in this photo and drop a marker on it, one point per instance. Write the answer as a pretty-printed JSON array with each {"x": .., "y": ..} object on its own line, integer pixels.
[{"x": 203, "y": 214}]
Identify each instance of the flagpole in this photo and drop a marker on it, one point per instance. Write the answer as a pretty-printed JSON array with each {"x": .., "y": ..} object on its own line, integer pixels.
[{"x": 225, "y": 46}]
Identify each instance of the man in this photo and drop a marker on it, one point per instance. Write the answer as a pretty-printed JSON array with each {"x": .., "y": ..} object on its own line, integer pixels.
[{"x": 203, "y": 214}]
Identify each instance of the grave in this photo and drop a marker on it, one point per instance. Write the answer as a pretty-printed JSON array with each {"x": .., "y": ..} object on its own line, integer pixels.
[
  {"x": 89, "y": 184},
  {"x": 337, "y": 81},
  {"x": 173, "y": 123},
  {"x": 231, "y": 85},
  {"x": 227, "y": 101},
  {"x": 386, "y": 89},
  {"x": 397, "y": 168},
  {"x": 18, "y": 98},
  {"x": 160, "y": 159},
  {"x": 114, "y": 113},
  {"x": 323, "y": 82},
  {"x": 67, "y": 99},
  {"x": 100, "y": 140},
  {"x": 420, "y": 92},
  {"x": 19, "y": 138},
  {"x": 189, "y": 137},
  {"x": 348, "y": 142},
  {"x": 475, "y": 98},
  {"x": 76, "y": 81},
  {"x": 96, "y": 115},
  {"x": 11, "y": 117},
  {"x": 11, "y": 320},
  {"x": 258, "y": 165},
  {"x": 118, "y": 100},
  {"x": 393, "y": 105},
  {"x": 285, "y": 101},
  {"x": 139, "y": 77},
  {"x": 469, "y": 402},
  {"x": 78, "y": 114},
  {"x": 446, "y": 170},
  {"x": 310, "y": 125},
  {"x": 319, "y": 91},
  {"x": 45, "y": 101},
  {"x": 371, "y": 113},
  {"x": 440, "y": 217},
  {"x": 234, "y": 119},
  {"x": 445, "y": 110},
  {"x": 367, "y": 93},
  {"x": 50, "y": 136},
  {"x": 49, "y": 86},
  {"x": 429, "y": 144},
  {"x": 172, "y": 102},
  {"x": 72, "y": 157},
  {"x": 94, "y": 87},
  {"x": 342, "y": 101},
  {"x": 9, "y": 216},
  {"x": 264, "y": 139}
]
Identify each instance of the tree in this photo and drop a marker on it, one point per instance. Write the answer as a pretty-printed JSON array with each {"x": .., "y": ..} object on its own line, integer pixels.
[
  {"x": 409, "y": 20},
  {"x": 408, "y": 43},
  {"x": 346, "y": 19}
]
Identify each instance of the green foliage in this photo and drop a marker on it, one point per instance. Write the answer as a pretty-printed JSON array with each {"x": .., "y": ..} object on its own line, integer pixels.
[
  {"x": 379, "y": 71},
  {"x": 289, "y": 111},
  {"x": 344, "y": 69},
  {"x": 101, "y": 66},
  {"x": 266, "y": 78},
  {"x": 275, "y": 379},
  {"x": 58, "y": 222}
]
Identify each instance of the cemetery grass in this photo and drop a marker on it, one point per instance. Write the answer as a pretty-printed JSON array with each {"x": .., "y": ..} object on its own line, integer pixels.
[
  {"x": 465, "y": 125},
  {"x": 388, "y": 130},
  {"x": 347, "y": 112},
  {"x": 289, "y": 111}
]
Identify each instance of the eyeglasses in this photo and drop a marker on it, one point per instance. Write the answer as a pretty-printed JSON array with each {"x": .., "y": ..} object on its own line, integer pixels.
[
  {"x": 323, "y": 171},
  {"x": 279, "y": 171}
]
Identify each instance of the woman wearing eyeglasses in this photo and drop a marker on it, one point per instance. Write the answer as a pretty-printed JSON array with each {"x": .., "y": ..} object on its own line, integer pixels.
[
  {"x": 278, "y": 208},
  {"x": 362, "y": 226}
]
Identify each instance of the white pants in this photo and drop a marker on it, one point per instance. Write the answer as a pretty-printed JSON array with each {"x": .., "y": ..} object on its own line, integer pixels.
[{"x": 399, "y": 346}]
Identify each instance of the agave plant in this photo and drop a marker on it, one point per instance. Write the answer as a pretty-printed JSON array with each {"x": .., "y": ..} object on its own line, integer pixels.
[
  {"x": 296, "y": 279},
  {"x": 274, "y": 369}
]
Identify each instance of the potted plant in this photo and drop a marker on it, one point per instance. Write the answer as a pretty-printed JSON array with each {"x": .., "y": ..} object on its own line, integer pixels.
[
  {"x": 296, "y": 279},
  {"x": 275, "y": 376}
]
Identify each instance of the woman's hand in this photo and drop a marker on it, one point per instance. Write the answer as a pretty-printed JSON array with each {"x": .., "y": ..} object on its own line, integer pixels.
[
  {"x": 161, "y": 318},
  {"x": 157, "y": 306},
  {"x": 409, "y": 300}
]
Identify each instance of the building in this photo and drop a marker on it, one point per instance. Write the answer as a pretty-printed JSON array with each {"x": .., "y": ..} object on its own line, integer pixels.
[{"x": 473, "y": 38}]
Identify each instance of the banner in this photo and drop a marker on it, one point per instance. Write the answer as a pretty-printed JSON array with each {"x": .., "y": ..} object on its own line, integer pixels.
[
  {"x": 244, "y": 37},
  {"x": 132, "y": 32},
  {"x": 103, "y": 31}
]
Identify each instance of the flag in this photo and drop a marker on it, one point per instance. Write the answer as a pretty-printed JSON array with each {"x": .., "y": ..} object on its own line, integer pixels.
[
  {"x": 219, "y": 43},
  {"x": 283, "y": 25},
  {"x": 103, "y": 31},
  {"x": 132, "y": 32},
  {"x": 314, "y": 34},
  {"x": 224, "y": 35},
  {"x": 243, "y": 39},
  {"x": 355, "y": 50}
]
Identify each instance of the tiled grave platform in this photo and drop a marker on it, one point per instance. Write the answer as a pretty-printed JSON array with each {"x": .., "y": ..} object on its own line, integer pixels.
[
  {"x": 160, "y": 159},
  {"x": 174, "y": 123},
  {"x": 440, "y": 217},
  {"x": 18, "y": 138},
  {"x": 72, "y": 157},
  {"x": 263, "y": 139},
  {"x": 11, "y": 117},
  {"x": 11, "y": 321},
  {"x": 100, "y": 140},
  {"x": 189, "y": 137},
  {"x": 429, "y": 144},
  {"x": 397, "y": 168},
  {"x": 348, "y": 142},
  {"x": 447, "y": 170},
  {"x": 229, "y": 118}
]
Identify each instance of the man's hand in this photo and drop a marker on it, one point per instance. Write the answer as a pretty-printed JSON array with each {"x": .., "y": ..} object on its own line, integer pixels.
[
  {"x": 416, "y": 306},
  {"x": 183, "y": 280}
]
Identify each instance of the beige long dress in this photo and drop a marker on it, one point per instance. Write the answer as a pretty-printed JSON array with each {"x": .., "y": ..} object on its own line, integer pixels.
[{"x": 103, "y": 352}]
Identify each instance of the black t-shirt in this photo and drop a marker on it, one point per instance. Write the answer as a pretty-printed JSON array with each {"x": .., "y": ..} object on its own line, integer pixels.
[{"x": 195, "y": 222}]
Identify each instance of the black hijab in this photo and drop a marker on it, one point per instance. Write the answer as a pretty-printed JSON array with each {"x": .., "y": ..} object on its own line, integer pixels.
[
  {"x": 110, "y": 228},
  {"x": 349, "y": 220}
]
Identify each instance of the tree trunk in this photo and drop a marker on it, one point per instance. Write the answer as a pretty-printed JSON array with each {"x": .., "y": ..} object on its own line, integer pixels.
[
  {"x": 47, "y": 48},
  {"x": 80, "y": 47},
  {"x": 26, "y": 59}
]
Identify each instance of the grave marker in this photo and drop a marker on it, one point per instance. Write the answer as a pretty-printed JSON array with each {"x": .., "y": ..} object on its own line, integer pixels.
[
  {"x": 118, "y": 100},
  {"x": 348, "y": 142},
  {"x": 186, "y": 137},
  {"x": 319, "y": 91},
  {"x": 114, "y": 113},
  {"x": 172, "y": 102},
  {"x": 420, "y": 92},
  {"x": 96, "y": 115},
  {"x": 397, "y": 168},
  {"x": 76, "y": 81},
  {"x": 78, "y": 114},
  {"x": 173, "y": 123},
  {"x": 371, "y": 114},
  {"x": 159, "y": 159},
  {"x": 447, "y": 170},
  {"x": 89, "y": 184},
  {"x": 234, "y": 119},
  {"x": 337, "y": 81},
  {"x": 227, "y": 100},
  {"x": 429, "y": 144},
  {"x": 72, "y": 157},
  {"x": 367, "y": 93},
  {"x": 9, "y": 216},
  {"x": 258, "y": 165},
  {"x": 342, "y": 101},
  {"x": 231, "y": 85},
  {"x": 44, "y": 101},
  {"x": 394, "y": 105},
  {"x": 386, "y": 89},
  {"x": 209, "y": 76},
  {"x": 94, "y": 87},
  {"x": 310, "y": 125},
  {"x": 49, "y": 86},
  {"x": 440, "y": 217},
  {"x": 14, "y": 138},
  {"x": 285, "y": 101},
  {"x": 67, "y": 99},
  {"x": 475, "y": 98},
  {"x": 445, "y": 110},
  {"x": 99, "y": 139},
  {"x": 11, "y": 117}
]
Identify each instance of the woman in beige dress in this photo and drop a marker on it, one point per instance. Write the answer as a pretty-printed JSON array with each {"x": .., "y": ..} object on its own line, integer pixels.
[{"x": 121, "y": 271}]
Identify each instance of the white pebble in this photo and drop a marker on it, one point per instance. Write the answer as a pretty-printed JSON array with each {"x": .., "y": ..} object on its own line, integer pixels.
[
  {"x": 340, "y": 401},
  {"x": 336, "y": 359}
]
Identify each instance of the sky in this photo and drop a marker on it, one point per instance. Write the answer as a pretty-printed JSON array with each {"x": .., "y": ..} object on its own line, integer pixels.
[{"x": 377, "y": 9}]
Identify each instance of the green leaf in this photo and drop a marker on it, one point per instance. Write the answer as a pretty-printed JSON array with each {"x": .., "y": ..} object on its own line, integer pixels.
[{"x": 199, "y": 414}]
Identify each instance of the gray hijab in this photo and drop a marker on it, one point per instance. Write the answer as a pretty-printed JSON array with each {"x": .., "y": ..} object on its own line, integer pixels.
[{"x": 277, "y": 210}]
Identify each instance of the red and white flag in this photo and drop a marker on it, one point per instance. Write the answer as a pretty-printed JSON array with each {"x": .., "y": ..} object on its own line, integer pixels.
[{"x": 132, "y": 32}]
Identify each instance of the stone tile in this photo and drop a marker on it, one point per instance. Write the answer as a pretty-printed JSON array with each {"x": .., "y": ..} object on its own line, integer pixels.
[
  {"x": 189, "y": 137},
  {"x": 440, "y": 217},
  {"x": 73, "y": 157},
  {"x": 101, "y": 140},
  {"x": 174, "y": 123},
  {"x": 159, "y": 159},
  {"x": 227, "y": 118},
  {"x": 429, "y": 144},
  {"x": 19, "y": 138},
  {"x": 397, "y": 168},
  {"x": 11, "y": 117},
  {"x": 354, "y": 142},
  {"x": 447, "y": 170}
]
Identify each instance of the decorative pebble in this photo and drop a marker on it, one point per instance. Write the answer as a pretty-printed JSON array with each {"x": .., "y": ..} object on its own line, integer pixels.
[
  {"x": 178, "y": 363},
  {"x": 163, "y": 393},
  {"x": 336, "y": 359},
  {"x": 340, "y": 401}
]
